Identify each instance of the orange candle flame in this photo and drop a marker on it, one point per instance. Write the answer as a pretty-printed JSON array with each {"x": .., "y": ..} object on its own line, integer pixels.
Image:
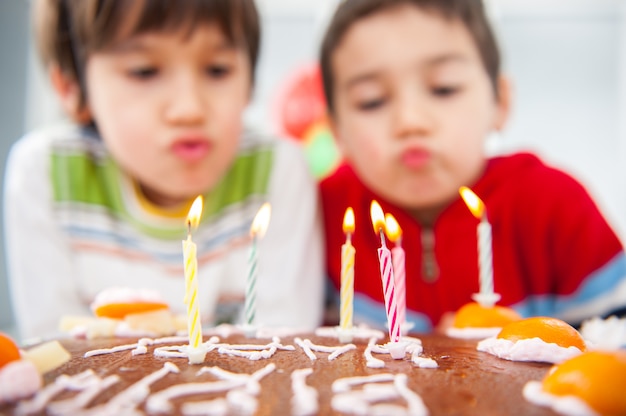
[
  {"x": 378, "y": 218},
  {"x": 195, "y": 212},
  {"x": 473, "y": 202},
  {"x": 393, "y": 230},
  {"x": 261, "y": 221},
  {"x": 348, "y": 221}
]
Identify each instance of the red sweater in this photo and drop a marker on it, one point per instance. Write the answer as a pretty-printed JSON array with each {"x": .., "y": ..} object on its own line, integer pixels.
[{"x": 553, "y": 252}]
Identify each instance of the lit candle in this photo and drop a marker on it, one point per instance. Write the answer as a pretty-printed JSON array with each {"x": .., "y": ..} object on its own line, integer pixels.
[
  {"x": 386, "y": 273},
  {"x": 486, "y": 296},
  {"x": 257, "y": 230},
  {"x": 347, "y": 277},
  {"x": 394, "y": 232},
  {"x": 194, "y": 324}
]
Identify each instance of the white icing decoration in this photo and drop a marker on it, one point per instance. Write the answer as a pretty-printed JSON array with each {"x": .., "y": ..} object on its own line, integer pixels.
[
  {"x": 371, "y": 361},
  {"x": 604, "y": 334},
  {"x": 160, "y": 401},
  {"x": 131, "y": 397},
  {"x": 529, "y": 349},
  {"x": 43, "y": 396},
  {"x": 345, "y": 384},
  {"x": 414, "y": 401},
  {"x": 565, "y": 405},
  {"x": 82, "y": 400},
  {"x": 423, "y": 362},
  {"x": 304, "y": 401},
  {"x": 215, "y": 407},
  {"x": 334, "y": 352},
  {"x": 117, "y": 348},
  {"x": 305, "y": 347},
  {"x": 365, "y": 401}
]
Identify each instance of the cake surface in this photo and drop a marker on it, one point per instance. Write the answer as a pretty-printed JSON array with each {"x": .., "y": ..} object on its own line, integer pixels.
[{"x": 466, "y": 381}]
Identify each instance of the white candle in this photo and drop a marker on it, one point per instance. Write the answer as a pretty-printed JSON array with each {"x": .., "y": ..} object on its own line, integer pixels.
[
  {"x": 485, "y": 256},
  {"x": 257, "y": 230},
  {"x": 486, "y": 296}
]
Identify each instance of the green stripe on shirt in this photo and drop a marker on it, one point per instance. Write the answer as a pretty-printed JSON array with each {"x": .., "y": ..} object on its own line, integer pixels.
[{"x": 84, "y": 180}]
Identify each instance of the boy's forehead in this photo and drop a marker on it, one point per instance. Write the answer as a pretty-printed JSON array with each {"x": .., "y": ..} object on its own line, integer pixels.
[
  {"x": 142, "y": 17},
  {"x": 402, "y": 36},
  {"x": 209, "y": 35}
]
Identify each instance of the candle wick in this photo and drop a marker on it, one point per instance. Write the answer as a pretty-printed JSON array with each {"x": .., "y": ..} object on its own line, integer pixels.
[
  {"x": 189, "y": 229},
  {"x": 382, "y": 238},
  {"x": 349, "y": 238}
]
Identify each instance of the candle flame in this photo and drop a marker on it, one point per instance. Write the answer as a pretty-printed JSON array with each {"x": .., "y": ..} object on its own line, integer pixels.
[
  {"x": 195, "y": 212},
  {"x": 378, "y": 218},
  {"x": 348, "y": 221},
  {"x": 473, "y": 202},
  {"x": 261, "y": 221},
  {"x": 393, "y": 230}
]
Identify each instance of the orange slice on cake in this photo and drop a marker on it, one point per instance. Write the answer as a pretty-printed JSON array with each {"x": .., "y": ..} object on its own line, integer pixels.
[
  {"x": 474, "y": 315},
  {"x": 8, "y": 350},
  {"x": 596, "y": 378},
  {"x": 474, "y": 320},
  {"x": 120, "y": 310},
  {"x": 550, "y": 330},
  {"x": 541, "y": 339},
  {"x": 117, "y": 303}
]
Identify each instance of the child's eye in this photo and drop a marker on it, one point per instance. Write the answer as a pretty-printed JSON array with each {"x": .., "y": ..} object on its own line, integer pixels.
[
  {"x": 218, "y": 71},
  {"x": 445, "y": 91},
  {"x": 369, "y": 105},
  {"x": 143, "y": 73}
]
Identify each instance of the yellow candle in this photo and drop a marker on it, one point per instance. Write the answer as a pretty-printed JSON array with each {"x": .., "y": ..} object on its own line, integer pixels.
[
  {"x": 347, "y": 272},
  {"x": 194, "y": 324}
]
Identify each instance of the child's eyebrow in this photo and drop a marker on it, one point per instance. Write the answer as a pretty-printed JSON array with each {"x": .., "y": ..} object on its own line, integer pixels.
[
  {"x": 143, "y": 45},
  {"x": 446, "y": 59},
  {"x": 428, "y": 64}
]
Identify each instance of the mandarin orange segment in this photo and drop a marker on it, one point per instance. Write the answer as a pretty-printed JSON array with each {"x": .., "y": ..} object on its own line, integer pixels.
[
  {"x": 597, "y": 378},
  {"x": 551, "y": 330},
  {"x": 120, "y": 310},
  {"x": 474, "y": 315},
  {"x": 8, "y": 350}
]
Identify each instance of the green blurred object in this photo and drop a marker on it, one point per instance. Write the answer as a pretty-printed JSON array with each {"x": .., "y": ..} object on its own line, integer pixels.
[{"x": 321, "y": 151}]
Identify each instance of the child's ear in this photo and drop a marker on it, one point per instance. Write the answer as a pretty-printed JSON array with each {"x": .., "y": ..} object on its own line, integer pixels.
[
  {"x": 68, "y": 91},
  {"x": 503, "y": 103},
  {"x": 334, "y": 130}
]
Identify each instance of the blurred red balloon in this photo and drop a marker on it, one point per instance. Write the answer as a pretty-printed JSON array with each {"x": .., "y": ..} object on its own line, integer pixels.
[{"x": 302, "y": 102}]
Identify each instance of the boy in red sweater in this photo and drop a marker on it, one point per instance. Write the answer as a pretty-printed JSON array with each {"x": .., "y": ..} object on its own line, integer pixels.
[{"x": 413, "y": 89}]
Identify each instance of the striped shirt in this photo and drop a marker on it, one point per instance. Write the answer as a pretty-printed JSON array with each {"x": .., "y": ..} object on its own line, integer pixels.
[{"x": 76, "y": 224}]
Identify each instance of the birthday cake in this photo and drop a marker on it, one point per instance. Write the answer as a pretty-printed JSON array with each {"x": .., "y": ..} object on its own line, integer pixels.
[{"x": 283, "y": 373}]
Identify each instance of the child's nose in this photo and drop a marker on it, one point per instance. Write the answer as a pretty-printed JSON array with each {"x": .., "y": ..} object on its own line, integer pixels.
[
  {"x": 412, "y": 115},
  {"x": 186, "y": 104}
]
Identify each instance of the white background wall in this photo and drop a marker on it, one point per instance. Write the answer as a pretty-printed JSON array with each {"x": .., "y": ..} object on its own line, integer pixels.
[{"x": 567, "y": 59}]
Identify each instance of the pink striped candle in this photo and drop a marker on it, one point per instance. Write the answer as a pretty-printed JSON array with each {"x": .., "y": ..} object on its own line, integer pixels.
[
  {"x": 394, "y": 232},
  {"x": 386, "y": 273}
]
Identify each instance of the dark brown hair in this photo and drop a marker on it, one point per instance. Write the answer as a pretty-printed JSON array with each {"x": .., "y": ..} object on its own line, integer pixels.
[
  {"x": 68, "y": 31},
  {"x": 469, "y": 12}
]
